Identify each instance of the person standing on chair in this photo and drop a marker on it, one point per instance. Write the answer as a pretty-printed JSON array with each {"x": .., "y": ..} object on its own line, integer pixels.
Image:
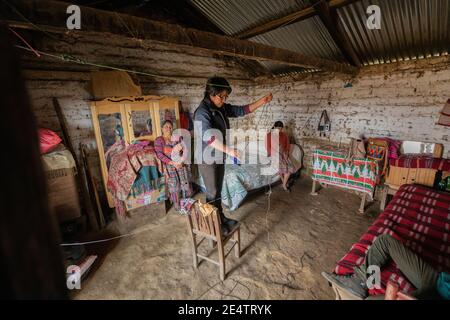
[{"x": 213, "y": 113}]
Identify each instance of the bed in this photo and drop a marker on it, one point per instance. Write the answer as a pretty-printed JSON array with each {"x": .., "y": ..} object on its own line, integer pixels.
[
  {"x": 242, "y": 179},
  {"x": 419, "y": 217}
]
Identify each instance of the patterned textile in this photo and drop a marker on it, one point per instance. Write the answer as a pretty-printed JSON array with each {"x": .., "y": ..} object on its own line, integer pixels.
[
  {"x": 238, "y": 181},
  {"x": 421, "y": 161},
  {"x": 177, "y": 179},
  {"x": 141, "y": 153},
  {"x": 178, "y": 183},
  {"x": 394, "y": 146},
  {"x": 420, "y": 218},
  {"x": 146, "y": 181},
  {"x": 286, "y": 165},
  {"x": 116, "y": 148},
  {"x": 333, "y": 168},
  {"x": 186, "y": 205},
  {"x": 123, "y": 170},
  {"x": 155, "y": 195}
]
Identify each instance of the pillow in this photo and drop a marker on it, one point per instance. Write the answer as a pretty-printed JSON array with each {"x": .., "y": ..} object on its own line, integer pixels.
[{"x": 48, "y": 140}]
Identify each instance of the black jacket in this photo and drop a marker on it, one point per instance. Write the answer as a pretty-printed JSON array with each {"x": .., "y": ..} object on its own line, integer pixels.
[{"x": 212, "y": 117}]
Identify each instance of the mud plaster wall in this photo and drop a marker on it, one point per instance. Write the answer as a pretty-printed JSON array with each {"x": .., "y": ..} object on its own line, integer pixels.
[
  {"x": 47, "y": 78},
  {"x": 399, "y": 101}
]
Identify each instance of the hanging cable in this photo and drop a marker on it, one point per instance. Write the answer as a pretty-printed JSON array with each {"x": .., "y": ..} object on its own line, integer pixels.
[
  {"x": 69, "y": 58},
  {"x": 24, "y": 41}
]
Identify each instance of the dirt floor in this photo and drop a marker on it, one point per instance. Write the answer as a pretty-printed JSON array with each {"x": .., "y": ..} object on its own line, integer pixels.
[{"x": 286, "y": 245}]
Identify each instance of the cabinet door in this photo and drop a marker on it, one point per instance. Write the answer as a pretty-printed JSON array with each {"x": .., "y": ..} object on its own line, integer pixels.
[
  {"x": 168, "y": 109},
  {"x": 141, "y": 120},
  {"x": 426, "y": 177},
  {"x": 397, "y": 176},
  {"x": 109, "y": 121},
  {"x": 411, "y": 176}
]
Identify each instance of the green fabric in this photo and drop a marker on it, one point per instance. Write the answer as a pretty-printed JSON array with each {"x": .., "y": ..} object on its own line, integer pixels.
[
  {"x": 443, "y": 285},
  {"x": 146, "y": 181}
]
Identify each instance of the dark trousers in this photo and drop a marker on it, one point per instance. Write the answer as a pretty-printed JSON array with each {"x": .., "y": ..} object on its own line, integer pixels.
[
  {"x": 212, "y": 176},
  {"x": 416, "y": 270}
]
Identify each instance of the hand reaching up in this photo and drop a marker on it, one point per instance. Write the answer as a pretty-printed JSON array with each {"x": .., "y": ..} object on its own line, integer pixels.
[{"x": 267, "y": 98}]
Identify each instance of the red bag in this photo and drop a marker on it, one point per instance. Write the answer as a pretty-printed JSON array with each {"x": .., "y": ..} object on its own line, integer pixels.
[{"x": 48, "y": 140}]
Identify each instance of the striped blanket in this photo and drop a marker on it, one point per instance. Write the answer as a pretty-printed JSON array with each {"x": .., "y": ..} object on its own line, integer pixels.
[
  {"x": 421, "y": 161},
  {"x": 420, "y": 218}
]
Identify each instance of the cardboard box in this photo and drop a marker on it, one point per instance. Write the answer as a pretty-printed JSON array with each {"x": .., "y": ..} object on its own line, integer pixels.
[{"x": 63, "y": 194}]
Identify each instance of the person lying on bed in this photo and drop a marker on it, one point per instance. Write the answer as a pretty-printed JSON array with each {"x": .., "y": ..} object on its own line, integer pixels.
[
  {"x": 283, "y": 147},
  {"x": 430, "y": 284}
]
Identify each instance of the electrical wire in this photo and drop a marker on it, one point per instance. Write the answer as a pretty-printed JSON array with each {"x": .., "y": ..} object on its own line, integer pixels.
[{"x": 24, "y": 41}]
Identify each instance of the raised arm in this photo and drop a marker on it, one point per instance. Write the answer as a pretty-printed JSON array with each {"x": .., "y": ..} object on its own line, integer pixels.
[
  {"x": 240, "y": 111},
  {"x": 258, "y": 103}
]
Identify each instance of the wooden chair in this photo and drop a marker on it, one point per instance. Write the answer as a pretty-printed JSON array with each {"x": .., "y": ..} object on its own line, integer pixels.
[{"x": 209, "y": 228}]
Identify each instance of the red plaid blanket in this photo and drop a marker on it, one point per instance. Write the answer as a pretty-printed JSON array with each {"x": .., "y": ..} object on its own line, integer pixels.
[
  {"x": 421, "y": 161},
  {"x": 420, "y": 218}
]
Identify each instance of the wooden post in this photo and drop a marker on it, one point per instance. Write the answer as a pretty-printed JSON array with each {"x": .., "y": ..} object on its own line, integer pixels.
[
  {"x": 81, "y": 178},
  {"x": 237, "y": 246},
  {"x": 91, "y": 185},
  {"x": 363, "y": 203},
  {"x": 314, "y": 187},
  {"x": 194, "y": 242},
  {"x": 384, "y": 197}
]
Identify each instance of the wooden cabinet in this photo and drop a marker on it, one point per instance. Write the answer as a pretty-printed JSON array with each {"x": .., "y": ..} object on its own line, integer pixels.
[
  {"x": 398, "y": 176},
  {"x": 130, "y": 119},
  {"x": 426, "y": 177}
]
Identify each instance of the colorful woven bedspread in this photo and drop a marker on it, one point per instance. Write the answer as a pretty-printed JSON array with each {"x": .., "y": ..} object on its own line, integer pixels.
[
  {"x": 420, "y": 218},
  {"x": 421, "y": 161},
  {"x": 333, "y": 168}
]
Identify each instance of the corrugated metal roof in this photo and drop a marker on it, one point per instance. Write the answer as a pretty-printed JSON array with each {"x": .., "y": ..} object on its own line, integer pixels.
[
  {"x": 410, "y": 29},
  {"x": 234, "y": 16},
  {"x": 309, "y": 37}
]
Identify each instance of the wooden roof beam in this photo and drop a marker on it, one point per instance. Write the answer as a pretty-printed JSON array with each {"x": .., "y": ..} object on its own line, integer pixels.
[
  {"x": 53, "y": 14},
  {"x": 289, "y": 19},
  {"x": 330, "y": 19}
]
